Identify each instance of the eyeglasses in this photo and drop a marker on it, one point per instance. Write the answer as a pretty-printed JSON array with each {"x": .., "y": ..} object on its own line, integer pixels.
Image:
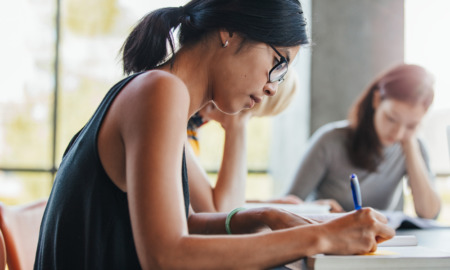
[{"x": 276, "y": 74}]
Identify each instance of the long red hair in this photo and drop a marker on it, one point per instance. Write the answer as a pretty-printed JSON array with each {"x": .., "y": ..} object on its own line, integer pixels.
[{"x": 406, "y": 83}]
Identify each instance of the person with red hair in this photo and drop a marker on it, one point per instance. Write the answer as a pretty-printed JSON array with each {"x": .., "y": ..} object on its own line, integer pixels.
[{"x": 378, "y": 143}]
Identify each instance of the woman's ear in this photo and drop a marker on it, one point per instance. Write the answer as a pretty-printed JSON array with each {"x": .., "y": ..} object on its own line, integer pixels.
[
  {"x": 225, "y": 37},
  {"x": 376, "y": 100}
]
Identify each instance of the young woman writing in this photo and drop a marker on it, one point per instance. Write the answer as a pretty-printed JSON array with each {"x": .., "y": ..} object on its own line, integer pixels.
[{"x": 120, "y": 199}]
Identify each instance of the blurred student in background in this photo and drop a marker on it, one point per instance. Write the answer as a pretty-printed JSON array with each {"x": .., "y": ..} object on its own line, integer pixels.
[
  {"x": 379, "y": 143},
  {"x": 229, "y": 190}
]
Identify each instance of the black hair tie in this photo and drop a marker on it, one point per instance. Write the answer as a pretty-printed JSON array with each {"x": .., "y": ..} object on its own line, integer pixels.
[
  {"x": 182, "y": 11},
  {"x": 184, "y": 17}
]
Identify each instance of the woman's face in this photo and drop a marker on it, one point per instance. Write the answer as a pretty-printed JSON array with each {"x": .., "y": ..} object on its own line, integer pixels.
[
  {"x": 242, "y": 78},
  {"x": 396, "y": 121}
]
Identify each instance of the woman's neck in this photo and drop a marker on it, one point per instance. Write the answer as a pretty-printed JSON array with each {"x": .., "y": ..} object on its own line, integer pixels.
[{"x": 191, "y": 66}]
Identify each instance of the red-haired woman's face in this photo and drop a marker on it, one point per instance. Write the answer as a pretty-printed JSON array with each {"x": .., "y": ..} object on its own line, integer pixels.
[{"x": 395, "y": 120}]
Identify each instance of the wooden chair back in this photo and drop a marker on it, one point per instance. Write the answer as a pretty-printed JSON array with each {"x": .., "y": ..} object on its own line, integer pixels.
[
  {"x": 20, "y": 226},
  {"x": 2, "y": 252}
]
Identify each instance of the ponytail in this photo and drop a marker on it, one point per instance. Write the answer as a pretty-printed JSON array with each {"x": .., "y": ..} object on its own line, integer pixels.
[
  {"x": 146, "y": 46},
  {"x": 275, "y": 22}
]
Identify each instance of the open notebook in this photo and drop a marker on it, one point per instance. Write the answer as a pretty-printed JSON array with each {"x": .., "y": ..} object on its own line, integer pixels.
[
  {"x": 396, "y": 220},
  {"x": 399, "y": 220}
]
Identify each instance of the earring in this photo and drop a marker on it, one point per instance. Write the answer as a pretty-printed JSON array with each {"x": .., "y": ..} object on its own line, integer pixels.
[{"x": 225, "y": 45}]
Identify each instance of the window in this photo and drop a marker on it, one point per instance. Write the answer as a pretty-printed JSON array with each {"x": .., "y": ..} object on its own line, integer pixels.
[
  {"x": 426, "y": 25},
  {"x": 58, "y": 58},
  {"x": 26, "y": 102}
]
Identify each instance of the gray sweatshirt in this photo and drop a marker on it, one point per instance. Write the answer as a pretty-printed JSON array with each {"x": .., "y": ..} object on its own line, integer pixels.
[{"x": 324, "y": 172}]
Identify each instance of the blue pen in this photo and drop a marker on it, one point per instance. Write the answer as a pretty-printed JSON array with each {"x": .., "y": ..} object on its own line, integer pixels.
[{"x": 356, "y": 191}]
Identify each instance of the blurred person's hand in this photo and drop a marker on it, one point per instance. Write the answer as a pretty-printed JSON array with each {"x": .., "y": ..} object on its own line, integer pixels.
[
  {"x": 335, "y": 207},
  {"x": 289, "y": 199}
]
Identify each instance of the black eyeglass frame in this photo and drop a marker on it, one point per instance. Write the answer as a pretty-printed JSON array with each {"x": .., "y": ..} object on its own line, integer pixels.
[{"x": 281, "y": 62}]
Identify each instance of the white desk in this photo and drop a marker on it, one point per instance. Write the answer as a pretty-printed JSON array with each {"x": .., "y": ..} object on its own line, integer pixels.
[{"x": 433, "y": 238}]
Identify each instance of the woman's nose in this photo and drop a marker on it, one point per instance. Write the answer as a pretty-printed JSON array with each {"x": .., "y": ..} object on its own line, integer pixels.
[{"x": 271, "y": 89}]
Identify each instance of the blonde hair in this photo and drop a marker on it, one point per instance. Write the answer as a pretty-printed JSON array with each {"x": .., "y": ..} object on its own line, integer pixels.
[{"x": 272, "y": 106}]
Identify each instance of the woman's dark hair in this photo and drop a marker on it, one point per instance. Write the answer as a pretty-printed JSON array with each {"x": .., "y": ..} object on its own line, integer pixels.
[
  {"x": 406, "y": 83},
  {"x": 275, "y": 22}
]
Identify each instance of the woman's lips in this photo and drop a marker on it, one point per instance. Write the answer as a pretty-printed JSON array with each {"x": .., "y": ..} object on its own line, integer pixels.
[
  {"x": 256, "y": 99},
  {"x": 252, "y": 103}
]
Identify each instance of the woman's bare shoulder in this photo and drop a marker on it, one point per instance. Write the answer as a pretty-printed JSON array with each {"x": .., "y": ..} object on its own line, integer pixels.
[
  {"x": 158, "y": 82},
  {"x": 156, "y": 91}
]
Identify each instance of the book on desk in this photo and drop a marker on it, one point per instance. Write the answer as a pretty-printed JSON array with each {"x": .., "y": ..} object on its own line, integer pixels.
[
  {"x": 400, "y": 252},
  {"x": 386, "y": 258}
]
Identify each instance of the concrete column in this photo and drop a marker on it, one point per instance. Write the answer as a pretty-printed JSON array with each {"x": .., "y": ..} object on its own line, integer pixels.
[
  {"x": 354, "y": 41},
  {"x": 291, "y": 128}
]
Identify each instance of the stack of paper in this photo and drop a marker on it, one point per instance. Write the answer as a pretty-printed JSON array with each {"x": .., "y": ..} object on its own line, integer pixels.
[
  {"x": 398, "y": 219},
  {"x": 400, "y": 252}
]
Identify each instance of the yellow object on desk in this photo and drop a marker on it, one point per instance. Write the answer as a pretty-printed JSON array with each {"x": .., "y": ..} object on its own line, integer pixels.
[{"x": 380, "y": 252}]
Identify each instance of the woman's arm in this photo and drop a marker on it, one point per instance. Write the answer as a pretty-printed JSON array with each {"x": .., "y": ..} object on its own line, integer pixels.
[
  {"x": 246, "y": 221},
  {"x": 312, "y": 169},
  {"x": 200, "y": 190},
  {"x": 229, "y": 190},
  {"x": 354, "y": 233},
  {"x": 153, "y": 144},
  {"x": 426, "y": 200}
]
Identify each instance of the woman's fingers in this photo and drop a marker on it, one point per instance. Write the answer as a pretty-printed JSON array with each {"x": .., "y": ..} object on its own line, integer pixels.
[
  {"x": 335, "y": 207},
  {"x": 377, "y": 221},
  {"x": 289, "y": 199},
  {"x": 359, "y": 232}
]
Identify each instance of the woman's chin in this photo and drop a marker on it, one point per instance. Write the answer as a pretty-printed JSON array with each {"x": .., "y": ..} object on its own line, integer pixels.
[
  {"x": 387, "y": 143},
  {"x": 228, "y": 110}
]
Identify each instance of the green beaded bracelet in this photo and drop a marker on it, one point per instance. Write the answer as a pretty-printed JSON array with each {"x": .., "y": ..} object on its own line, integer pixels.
[{"x": 229, "y": 216}]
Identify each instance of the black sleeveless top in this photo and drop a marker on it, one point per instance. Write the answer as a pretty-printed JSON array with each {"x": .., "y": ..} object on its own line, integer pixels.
[{"x": 86, "y": 224}]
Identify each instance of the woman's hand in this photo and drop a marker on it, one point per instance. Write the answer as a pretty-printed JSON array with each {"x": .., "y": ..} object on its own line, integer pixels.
[
  {"x": 409, "y": 142},
  {"x": 335, "y": 207},
  {"x": 358, "y": 232},
  {"x": 289, "y": 199}
]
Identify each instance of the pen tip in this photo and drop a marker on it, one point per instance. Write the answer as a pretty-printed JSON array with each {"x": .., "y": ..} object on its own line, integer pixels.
[{"x": 353, "y": 175}]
